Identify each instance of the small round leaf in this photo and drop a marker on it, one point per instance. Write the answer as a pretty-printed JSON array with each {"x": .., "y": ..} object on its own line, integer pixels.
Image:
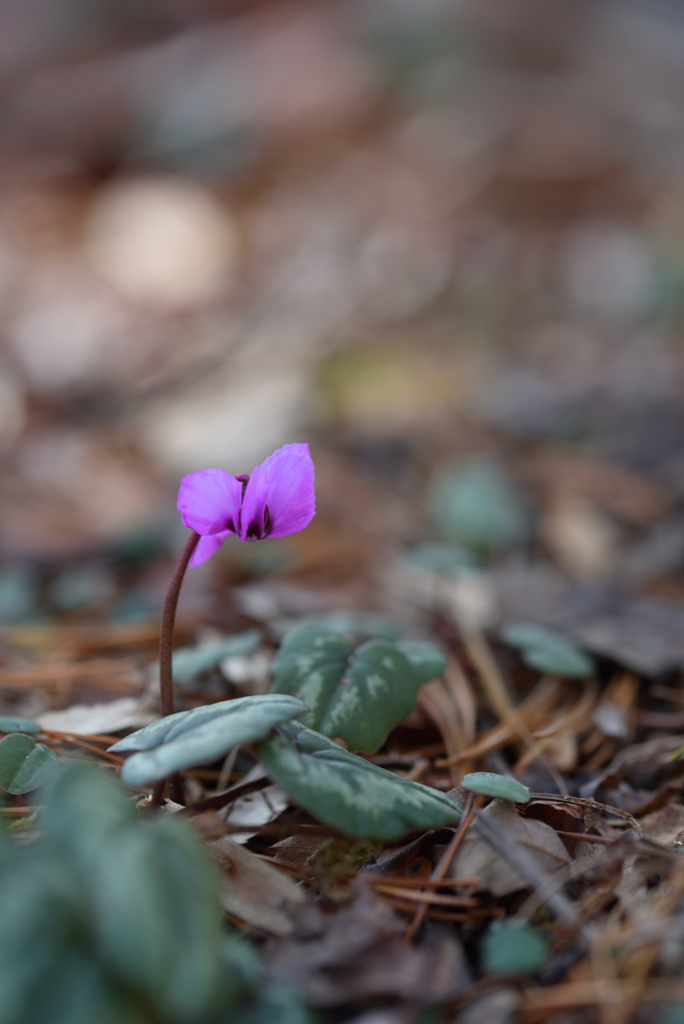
[
  {"x": 513, "y": 949},
  {"x": 548, "y": 651},
  {"x": 24, "y": 764},
  {"x": 12, "y": 723},
  {"x": 499, "y": 786}
]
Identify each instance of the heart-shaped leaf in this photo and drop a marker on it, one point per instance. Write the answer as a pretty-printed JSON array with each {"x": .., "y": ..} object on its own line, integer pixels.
[
  {"x": 359, "y": 695},
  {"x": 310, "y": 664},
  {"x": 348, "y": 792},
  {"x": 491, "y": 784},
  {"x": 12, "y": 723},
  {"x": 24, "y": 764},
  {"x": 189, "y": 662},
  {"x": 548, "y": 651},
  {"x": 427, "y": 660},
  {"x": 203, "y": 735}
]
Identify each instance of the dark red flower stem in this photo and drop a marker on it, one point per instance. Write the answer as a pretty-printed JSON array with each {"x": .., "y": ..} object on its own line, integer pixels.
[{"x": 165, "y": 658}]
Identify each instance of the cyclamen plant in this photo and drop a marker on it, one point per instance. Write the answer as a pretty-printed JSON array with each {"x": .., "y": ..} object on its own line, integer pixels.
[{"x": 275, "y": 500}]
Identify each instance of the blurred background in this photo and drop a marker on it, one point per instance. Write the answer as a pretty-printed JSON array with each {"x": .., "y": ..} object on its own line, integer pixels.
[{"x": 421, "y": 234}]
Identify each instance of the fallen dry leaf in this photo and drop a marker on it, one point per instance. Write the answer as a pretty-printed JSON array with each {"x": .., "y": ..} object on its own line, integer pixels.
[
  {"x": 107, "y": 717},
  {"x": 666, "y": 825},
  {"x": 477, "y": 859},
  {"x": 359, "y": 953},
  {"x": 253, "y": 890}
]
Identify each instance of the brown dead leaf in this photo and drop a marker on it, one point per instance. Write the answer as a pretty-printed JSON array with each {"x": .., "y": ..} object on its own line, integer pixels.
[
  {"x": 666, "y": 826},
  {"x": 476, "y": 858},
  {"x": 253, "y": 890},
  {"x": 359, "y": 953}
]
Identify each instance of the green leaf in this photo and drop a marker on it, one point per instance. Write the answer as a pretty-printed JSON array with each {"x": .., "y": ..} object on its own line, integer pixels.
[
  {"x": 348, "y": 792},
  {"x": 491, "y": 784},
  {"x": 203, "y": 735},
  {"x": 548, "y": 651},
  {"x": 189, "y": 662},
  {"x": 358, "y": 695},
  {"x": 427, "y": 660},
  {"x": 159, "y": 916},
  {"x": 445, "y": 559},
  {"x": 379, "y": 691},
  {"x": 41, "y": 909},
  {"x": 18, "y": 593},
  {"x": 513, "y": 949},
  {"x": 24, "y": 764},
  {"x": 12, "y": 723},
  {"x": 310, "y": 664},
  {"x": 78, "y": 991},
  {"x": 276, "y": 1004},
  {"x": 477, "y": 507},
  {"x": 82, "y": 807}
]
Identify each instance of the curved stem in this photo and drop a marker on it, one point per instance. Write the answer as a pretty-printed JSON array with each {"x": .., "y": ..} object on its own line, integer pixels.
[
  {"x": 167, "y": 624},
  {"x": 165, "y": 656}
]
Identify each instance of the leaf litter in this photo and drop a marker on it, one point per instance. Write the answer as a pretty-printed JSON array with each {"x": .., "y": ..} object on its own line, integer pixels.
[{"x": 529, "y": 531}]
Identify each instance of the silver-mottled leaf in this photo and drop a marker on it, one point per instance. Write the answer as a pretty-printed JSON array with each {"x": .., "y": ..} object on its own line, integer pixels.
[
  {"x": 377, "y": 693},
  {"x": 203, "y": 735},
  {"x": 348, "y": 792},
  {"x": 310, "y": 664},
  {"x": 427, "y": 660},
  {"x": 358, "y": 695}
]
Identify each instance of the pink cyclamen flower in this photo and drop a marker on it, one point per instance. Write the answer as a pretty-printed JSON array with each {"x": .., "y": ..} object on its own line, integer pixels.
[{"x": 275, "y": 500}]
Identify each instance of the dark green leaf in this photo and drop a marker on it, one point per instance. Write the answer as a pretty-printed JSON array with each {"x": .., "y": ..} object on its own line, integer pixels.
[
  {"x": 12, "y": 723},
  {"x": 427, "y": 660},
  {"x": 78, "y": 991},
  {"x": 548, "y": 651},
  {"x": 41, "y": 910},
  {"x": 491, "y": 784},
  {"x": 378, "y": 691},
  {"x": 24, "y": 764},
  {"x": 203, "y": 735},
  {"x": 513, "y": 949},
  {"x": 357, "y": 695},
  {"x": 276, "y": 1004},
  {"x": 310, "y": 664},
  {"x": 347, "y": 791},
  {"x": 82, "y": 807},
  {"x": 159, "y": 915}
]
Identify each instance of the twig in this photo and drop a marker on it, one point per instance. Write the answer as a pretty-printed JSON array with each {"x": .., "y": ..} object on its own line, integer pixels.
[
  {"x": 444, "y": 864},
  {"x": 215, "y": 803}
]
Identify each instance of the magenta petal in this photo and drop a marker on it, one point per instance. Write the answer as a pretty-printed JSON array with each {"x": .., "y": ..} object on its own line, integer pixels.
[
  {"x": 252, "y": 513},
  {"x": 209, "y": 501},
  {"x": 291, "y": 499},
  {"x": 208, "y": 546}
]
